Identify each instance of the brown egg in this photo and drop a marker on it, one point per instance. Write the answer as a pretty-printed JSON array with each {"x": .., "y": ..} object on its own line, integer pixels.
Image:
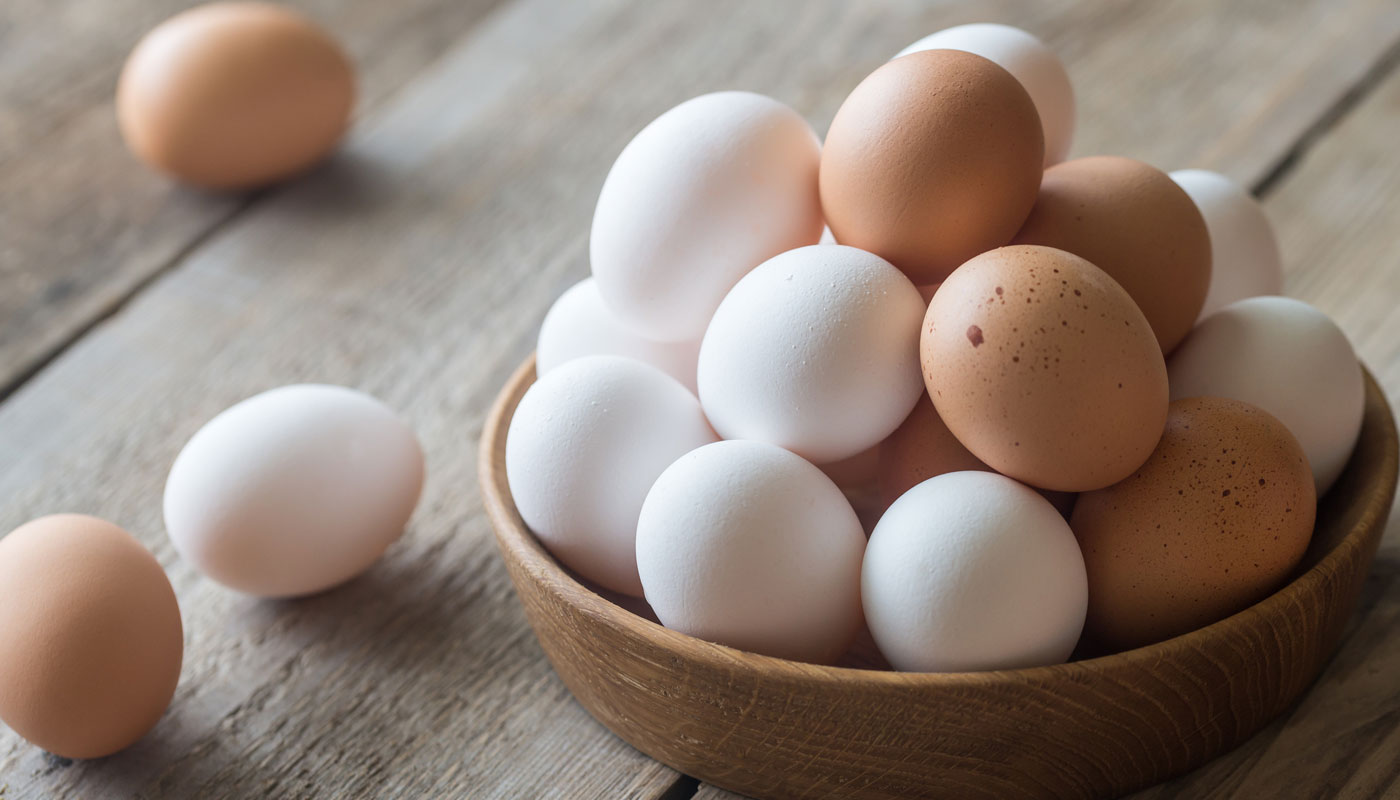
[
  {"x": 235, "y": 95},
  {"x": 1044, "y": 368},
  {"x": 90, "y": 636},
  {"x": 935, "y": 157},
  {"x": 1132, "y": 221},
  {"x": 923, "y": 447},
  {"x": 1213, "y": 522}
]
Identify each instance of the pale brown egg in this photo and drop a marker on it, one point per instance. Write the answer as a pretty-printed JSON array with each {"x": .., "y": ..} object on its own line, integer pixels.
[
  {"x": 235, "y": 95},
  {"x": 1134, "y": 222},
  {"x": 1216, "y": 519},
  {"x": 1044, "y": 368},
  {"x": 923, "y": 447},
  {"x": 90, "y": 636},
  {"x": 935, "y": 157}
]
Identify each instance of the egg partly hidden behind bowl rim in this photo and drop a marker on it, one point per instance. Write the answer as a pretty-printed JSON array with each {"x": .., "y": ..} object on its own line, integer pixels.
[
  {"x": 235, "y": 95},
  {"x": 90, "y": 636}
]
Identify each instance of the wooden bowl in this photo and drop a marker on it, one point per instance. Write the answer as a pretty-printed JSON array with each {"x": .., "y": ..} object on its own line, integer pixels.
[{"x": 767, "y": 727}]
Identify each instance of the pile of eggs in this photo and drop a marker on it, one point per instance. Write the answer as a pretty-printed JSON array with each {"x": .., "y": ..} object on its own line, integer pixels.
[{"x": 927, "y": 376}]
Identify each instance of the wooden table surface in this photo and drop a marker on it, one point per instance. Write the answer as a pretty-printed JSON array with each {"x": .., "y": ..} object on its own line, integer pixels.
[{"x": 417, "y": 264}]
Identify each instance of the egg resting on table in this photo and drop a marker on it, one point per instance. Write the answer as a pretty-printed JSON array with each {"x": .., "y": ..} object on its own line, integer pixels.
[
  {"x": 1217, "y": 518},
  {"x": 706, "y": 192},
  {"x": 584, "y": 446},
  {"x": 234, "y": 95},
  {"x": 935, "y": 157},
  {"x": 1287, "y": 358},
  {"x": 1132, "y": 221},
  {"x": 1044, "y": 368},
  {"x": 745, "y": 544},
  {"x": 1034, "y": 65},
  {"x": 293, "y": 490},
  {"x": 90, "y": 636}
]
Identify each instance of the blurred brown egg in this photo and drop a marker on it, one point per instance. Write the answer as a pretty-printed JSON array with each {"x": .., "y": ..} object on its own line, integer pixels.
[
  {"x": 1213, "y": 522},
  {"x": 1044, "y": 368},
  {"x": 235, "y": 95},
  {"x": 1132, "y": 221},
  {"x": 935, "y": 157},
  {"x": 90, "y": 636}
]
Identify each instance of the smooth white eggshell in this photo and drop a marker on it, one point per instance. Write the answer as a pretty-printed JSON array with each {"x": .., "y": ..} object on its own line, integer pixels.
[
  {"x": 815, "y": 350},
  {"x": 580, "y": 324},
  {"x": 1287, "y": 358},
  {"x": 584, "y": 446},
  {"x": 294, "y": 490},
  {"x": 705, "y": 193},
  {"x": 745, "y": 544},
  {"x": 1029, "y": 61},
  {"x": 973, "y": 571},
  {"x": 1245, "y": 260}
]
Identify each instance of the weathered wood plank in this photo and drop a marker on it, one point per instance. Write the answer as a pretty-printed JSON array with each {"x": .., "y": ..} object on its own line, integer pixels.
[
  {"x": 416, "y": 266},
  {"x": 82, "y": 224}
]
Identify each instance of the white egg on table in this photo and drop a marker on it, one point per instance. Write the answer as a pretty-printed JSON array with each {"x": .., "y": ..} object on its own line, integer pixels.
[
  {"x": 294, "y": 490},
  {"x": 1030, "y": 62},
  {"x": 745, "y": 544},
  {"x": 1287, "y": 358},
  {"x": 817, "y": 351},
  {"x": 583, "y": 448},
  {"x": 973, "y": 571},
  {"x": 705, "y": 193},
  {"x": 580, "y": 324},
  {"x": 1245, "y": 260}
]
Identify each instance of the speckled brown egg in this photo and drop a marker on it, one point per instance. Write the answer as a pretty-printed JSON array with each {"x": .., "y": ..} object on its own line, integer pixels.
[
  {"x": 232, "y": 95},
  {"x": 90, "y": 636},
  {"x": 1132, "y": 221},
  {"x": 1216, "y": 519},
  {"x": 935, "y": 157},
  {"x": 1044, "y": 368}
]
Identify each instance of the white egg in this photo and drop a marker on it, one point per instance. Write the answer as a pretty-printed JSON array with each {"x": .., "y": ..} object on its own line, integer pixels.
[
  {"x": 702, "y": 195},
  {"x": 1287, "y": 358},
  {"x": 580, "y": 324},
  {"x": 1029, "y": 61},
  {"x": 1245, "y": 260},
  {"x": 584, "y": 446},
  {"x": 294, "y": 490},
  {"x": 816, "y": 350},
  {"x": 973, "y": 571},
  {"x": 748, "y": 545}
]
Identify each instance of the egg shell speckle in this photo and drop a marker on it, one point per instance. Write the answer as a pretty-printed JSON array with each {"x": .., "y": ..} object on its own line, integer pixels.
[
  {"x": 1215, "y": 520},
  {"x": 1044, "y": 368}
]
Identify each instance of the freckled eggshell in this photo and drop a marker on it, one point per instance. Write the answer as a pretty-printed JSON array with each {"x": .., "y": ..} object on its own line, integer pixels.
[
  {"x": 816, "y": 350},
  {"x": 1044, "y": 368},
  {"x": 745, "y": 544},
  {"x": 935, "y": 157},
  {"x": 90, "y": 636},
  {"x": 294, "y": 490},
  {"x": 973, "y": 571},
  {"x": 1213, "y": 522},
  {"x": 1287, "y": 358},
  {"x": 584, "y": 446},
  {"x": 234, "y": 95},
  {"x": 580, "y": 324},
  {"x": 1133, "y": 222},
  {"x": 706, "y": 192},
  {"x": 1245, "y": 259},
  {"x": 1030, "y": 61}
]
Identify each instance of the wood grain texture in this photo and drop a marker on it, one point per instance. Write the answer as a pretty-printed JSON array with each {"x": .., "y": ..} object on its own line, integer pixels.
[
  {"x": 1087, "y": 729},
  {"x": 416, "y": 266}
]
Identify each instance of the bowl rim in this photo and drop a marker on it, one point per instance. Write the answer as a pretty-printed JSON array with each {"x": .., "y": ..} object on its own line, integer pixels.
[{"x": 518, "y": 543}]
